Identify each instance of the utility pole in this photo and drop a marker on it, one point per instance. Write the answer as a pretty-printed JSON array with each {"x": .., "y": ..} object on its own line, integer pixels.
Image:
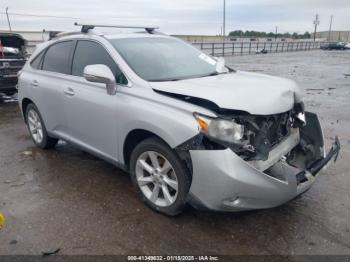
[
  {"x": 224, "y": 23},
  {"x": 316, "y": 23},
  {"x": 276, "y": 33},
  {"x": 8, "y": 19},
  {"x": 330, "y": 29}
]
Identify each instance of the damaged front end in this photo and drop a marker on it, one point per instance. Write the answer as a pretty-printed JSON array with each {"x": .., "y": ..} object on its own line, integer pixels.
[
  {"x": 286, "y": 149},
  {"x": 294, "y": 137}
]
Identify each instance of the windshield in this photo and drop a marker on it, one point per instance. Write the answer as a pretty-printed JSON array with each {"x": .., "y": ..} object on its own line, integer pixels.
[{"x": 164, "y": 59}]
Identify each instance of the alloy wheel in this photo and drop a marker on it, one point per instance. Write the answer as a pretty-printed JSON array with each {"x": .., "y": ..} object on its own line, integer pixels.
[
  {"x": 156, "y": 178},
  {"x": 35, "y": 126}
]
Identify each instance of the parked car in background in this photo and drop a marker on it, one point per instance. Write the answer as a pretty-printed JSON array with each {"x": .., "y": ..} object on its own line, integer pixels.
[
  {"x": 188, "y": 128},
  {"x": 333, "y": 46},
  {"x": 12, "y": 59},
  {"x": 347, "y": 45}
]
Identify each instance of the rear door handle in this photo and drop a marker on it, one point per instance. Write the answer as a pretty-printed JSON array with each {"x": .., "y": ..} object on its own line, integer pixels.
[
  {"x": 69, "y": 92},
  {"x": 34, "y": 83}
]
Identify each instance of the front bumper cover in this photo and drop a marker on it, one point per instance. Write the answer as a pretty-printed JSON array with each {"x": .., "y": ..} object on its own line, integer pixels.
[
  {"x": 222, "y": 181},
  {"x": 321, "y": 163}
]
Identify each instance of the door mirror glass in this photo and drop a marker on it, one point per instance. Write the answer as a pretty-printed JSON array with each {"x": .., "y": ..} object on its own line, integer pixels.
[{"x": 101, "y": 74}]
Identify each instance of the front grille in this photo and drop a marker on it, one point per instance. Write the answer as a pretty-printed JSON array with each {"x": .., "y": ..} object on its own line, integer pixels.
[
  {"x": 9, "y": 71},
  {"x": 279, "y": 127},
  {"x": 17, "y": 63},
  {"x": 264, "y": 132}
]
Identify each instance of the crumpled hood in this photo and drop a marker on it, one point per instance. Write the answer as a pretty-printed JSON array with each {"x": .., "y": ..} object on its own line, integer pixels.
[{"x": 255, "y": 93}]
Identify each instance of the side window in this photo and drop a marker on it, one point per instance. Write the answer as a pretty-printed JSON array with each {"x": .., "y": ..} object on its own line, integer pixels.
[
  {"x": 89, "y": 53},
  {"x": 37, "y": 61},
  {"x": 57, "y": 58}
]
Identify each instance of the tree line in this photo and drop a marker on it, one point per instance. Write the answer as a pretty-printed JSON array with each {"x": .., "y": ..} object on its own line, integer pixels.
[{"x": 240, "y": 33}]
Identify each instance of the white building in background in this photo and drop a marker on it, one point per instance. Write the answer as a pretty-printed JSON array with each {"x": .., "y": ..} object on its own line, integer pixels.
[{"x": 341, "y": 36}]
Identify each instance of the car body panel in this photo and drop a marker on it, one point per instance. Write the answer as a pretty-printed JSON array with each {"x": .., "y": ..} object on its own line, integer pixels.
[
  {"x": 232, "y": 179},
  {"x": 251, "y": 92}
]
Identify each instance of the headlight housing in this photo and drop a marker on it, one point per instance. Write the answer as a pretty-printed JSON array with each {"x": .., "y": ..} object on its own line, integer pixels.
[{"x": 224, "y": 130}]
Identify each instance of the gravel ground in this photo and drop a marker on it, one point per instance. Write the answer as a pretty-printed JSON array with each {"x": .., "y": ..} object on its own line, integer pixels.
[{"x": 65, "y": 198}]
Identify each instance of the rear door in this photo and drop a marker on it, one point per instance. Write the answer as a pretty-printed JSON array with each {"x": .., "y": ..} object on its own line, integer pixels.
[
  {"x": 89, "y": 109},
  {"x": 50, "y": 71}
]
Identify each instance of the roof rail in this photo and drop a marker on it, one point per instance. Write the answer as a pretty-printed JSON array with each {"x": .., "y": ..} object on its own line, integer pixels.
[
  {"x": 67, "y": 34},
  {"x": 86, "y": 27}
]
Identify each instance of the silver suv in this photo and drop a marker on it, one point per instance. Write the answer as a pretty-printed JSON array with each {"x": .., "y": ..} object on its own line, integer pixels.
[{"x": 189, "y": 129}]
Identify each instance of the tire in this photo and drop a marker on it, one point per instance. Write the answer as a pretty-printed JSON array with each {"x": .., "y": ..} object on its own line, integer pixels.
[
  {"x": 37, "y": 129},
  {"x": 171, "y": 169}
]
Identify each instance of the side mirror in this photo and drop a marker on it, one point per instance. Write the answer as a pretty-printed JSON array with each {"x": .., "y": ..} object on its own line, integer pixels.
[{"x": 101, "y": 74}]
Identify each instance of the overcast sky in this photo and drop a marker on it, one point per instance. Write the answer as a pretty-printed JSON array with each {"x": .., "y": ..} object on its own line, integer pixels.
[{"x": 179, "y": 16}]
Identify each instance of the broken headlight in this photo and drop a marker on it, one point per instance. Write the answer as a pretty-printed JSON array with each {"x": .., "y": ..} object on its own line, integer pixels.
[{"x": 224, "y": 130}]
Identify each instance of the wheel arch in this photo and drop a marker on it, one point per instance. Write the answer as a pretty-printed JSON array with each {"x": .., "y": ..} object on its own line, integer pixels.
[
  {"x": 132, "y": 139},
  {"x": 24, "y": 104}
]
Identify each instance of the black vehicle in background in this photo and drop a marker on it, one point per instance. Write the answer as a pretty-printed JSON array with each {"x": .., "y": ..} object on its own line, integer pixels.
[
  {"x": 12, "y": 59},
  {"x": 333, "y": 46}
]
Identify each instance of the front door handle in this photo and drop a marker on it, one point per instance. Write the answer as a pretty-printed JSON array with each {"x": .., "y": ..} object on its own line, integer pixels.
[
  {"x": 34, "y": 83},
  {"x": 69, "y": 92}
]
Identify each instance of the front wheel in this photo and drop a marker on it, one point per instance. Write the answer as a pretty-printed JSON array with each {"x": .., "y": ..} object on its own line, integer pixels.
[{"x": 160, "y": 176}]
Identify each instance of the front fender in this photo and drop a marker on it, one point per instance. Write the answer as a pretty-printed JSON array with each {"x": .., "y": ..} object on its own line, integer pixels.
[{"x": 171, "y": 125}]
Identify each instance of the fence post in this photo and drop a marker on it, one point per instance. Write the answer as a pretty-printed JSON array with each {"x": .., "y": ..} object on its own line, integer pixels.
[
  {"x": 212, "y": 49},
  {"x": 233, "y": 48},
  {"x": 270, "y": 47},
  {"x": 241, "y": 48},
  {"x": 282, "y": 47},
  {"x": 223, "y": 48},
  {"x": 250, "y": 47},
  {"x": 202, "y": 46},
  {"x": 276, "y": 48}
]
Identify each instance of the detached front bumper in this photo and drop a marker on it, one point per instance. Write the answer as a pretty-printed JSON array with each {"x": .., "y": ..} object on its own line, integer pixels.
[{"x": 222, "y": 181}]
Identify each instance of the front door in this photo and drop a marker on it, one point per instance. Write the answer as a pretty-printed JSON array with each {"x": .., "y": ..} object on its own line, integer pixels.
[{"x": 89, "y": 109}]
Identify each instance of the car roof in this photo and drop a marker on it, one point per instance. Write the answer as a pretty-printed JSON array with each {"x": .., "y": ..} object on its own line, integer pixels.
[
  {"x": 109, "y": 35},
  {"x": 93, "y": 34}
]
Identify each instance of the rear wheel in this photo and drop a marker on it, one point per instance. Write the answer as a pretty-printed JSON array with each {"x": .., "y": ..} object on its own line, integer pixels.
[
  {"x": 37, "y": 128},
  {"x": 160, "y": 176}
]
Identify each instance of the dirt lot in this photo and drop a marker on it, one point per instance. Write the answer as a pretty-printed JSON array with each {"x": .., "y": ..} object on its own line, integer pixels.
[{"x": 68, "y": 199}]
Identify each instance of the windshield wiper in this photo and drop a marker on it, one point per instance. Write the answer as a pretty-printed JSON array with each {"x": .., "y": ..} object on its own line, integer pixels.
[
  {"x": 212, "y": 74},
  {"x": 164, "y": 80},
  {"x": 215, "y": 73}
]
